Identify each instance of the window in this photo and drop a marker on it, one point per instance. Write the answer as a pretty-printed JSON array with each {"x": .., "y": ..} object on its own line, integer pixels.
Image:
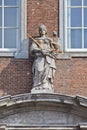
[
  {"x": 13, "y": 27},
  {"x": 9, "y": 24},
  {"x": 76, "y": 25}
]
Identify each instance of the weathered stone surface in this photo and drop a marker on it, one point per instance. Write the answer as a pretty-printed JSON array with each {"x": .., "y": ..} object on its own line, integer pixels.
[
  {"x": 43, "y": 110},
  {"x": 24, "y": 51}
]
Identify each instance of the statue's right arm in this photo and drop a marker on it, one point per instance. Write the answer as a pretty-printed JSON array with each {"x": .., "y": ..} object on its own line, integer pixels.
[{"x": 35, "y": 49}]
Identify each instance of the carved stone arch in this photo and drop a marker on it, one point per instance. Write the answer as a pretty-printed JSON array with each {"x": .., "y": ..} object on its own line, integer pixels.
[{"x": 43, "y": 110}]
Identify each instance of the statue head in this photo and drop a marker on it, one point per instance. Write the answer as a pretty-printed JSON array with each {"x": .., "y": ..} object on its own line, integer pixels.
[{"x": 42, "y": 30}]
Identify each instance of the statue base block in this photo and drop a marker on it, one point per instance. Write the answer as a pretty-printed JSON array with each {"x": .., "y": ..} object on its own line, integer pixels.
[{"x": 42, "y": 90}]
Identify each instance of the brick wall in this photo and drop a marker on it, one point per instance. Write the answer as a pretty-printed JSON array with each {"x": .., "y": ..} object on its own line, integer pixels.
[
  {"x": 71, "y": 76},
  {"x": 15, "y": 75},
  {"x": 42, "y": 11}
]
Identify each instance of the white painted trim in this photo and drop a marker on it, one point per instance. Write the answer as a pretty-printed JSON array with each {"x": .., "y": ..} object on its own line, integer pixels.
[
  {"x": 23, "y": 30},
  {"x": 62, "y": 32},
  {"x": 83, "y": 127},
  {"x": 37, "y": 128},
  {"x": 77, "y": 50},
  {"x": 61, "y": 22},
  {"x": 23, "y": 19},
  {"x": 2, "y": 24},
  {"x": 23, "y": 51},
  {"x": 47, "y": 128}
]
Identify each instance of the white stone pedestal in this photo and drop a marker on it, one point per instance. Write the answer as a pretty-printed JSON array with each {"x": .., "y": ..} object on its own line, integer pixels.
[{"x": 34, "y": 90}]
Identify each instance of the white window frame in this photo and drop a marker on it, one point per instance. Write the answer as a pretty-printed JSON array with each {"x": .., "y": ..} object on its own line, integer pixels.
[
  {"x": 23, "y": 31},
  {"x": 62, "y": 33}
]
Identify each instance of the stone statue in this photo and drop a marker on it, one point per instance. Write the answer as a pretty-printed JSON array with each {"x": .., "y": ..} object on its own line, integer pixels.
[{"x": 44, "y": 61}]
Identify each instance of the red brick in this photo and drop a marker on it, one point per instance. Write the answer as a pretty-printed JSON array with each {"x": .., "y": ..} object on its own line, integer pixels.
[{"x": 16, "y": 76}]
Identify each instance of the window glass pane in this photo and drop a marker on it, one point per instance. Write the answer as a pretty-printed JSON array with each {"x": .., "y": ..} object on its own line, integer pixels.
[
  {"x": 11, "y": 2},
  {"x": 0, "y": 2},
  {"x": 85, "y": 2},
  {"x": 11, "y": 38},
  {"x": 74, "y": 17},
  {"x": 0, "y": 16},
  {"x": 11, "y": 16},
  {"x": 74, "y": 38},
  {"x": 85, "y": 17},
  {"x": 85, "y": 38},
  {"x": 75, "y": 2},
  {"x": 0, "y": 38},
  {"x": 69, "y": 38}
]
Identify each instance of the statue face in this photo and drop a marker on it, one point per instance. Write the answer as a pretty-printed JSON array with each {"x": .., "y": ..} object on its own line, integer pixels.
[{"x": 42, "y": 32}]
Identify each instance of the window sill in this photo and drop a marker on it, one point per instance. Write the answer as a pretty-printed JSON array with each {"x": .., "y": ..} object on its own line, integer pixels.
[
  {"x": 78, "y": 54},
  {"x": 69, "y": 55},
  {"x": 6, "y": 54},
  {"x": 23, "y": 53},
  {"x": 64, "y": 56}
]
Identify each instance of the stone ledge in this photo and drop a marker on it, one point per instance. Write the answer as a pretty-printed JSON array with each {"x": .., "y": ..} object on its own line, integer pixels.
[
  {"x": 63, "y": 56},
  {"x": 29, "y": 97},
  {"x": 42, "y": 109},
  {"x": 12, "y": 127},
  {"x": 19, "y": 127}
]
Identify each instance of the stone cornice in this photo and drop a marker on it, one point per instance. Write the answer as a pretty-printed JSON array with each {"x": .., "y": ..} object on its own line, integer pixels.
[
  {"x": 43, "y": 97},
  {"x": 43, "y": 109}
]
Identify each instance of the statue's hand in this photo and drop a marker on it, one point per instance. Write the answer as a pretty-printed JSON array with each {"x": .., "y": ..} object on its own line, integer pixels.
[
  {"x": 52, "y": 50},
  {"x": 53, "y": 43},
  {"x": 59, "y": 51}
]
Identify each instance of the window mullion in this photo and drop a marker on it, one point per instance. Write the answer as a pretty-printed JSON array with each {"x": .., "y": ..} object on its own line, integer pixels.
[
  {"x": 69, "y": 28},
  {"x": 82, "y": 24},
  {"x": 18, "y": 16},
  {"x": 66, "y": 46},
  {"x": 3, "y": 24}
]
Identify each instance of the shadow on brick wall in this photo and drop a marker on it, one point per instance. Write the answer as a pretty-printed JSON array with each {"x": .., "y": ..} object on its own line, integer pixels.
[{"x": 15, "y": 76}]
